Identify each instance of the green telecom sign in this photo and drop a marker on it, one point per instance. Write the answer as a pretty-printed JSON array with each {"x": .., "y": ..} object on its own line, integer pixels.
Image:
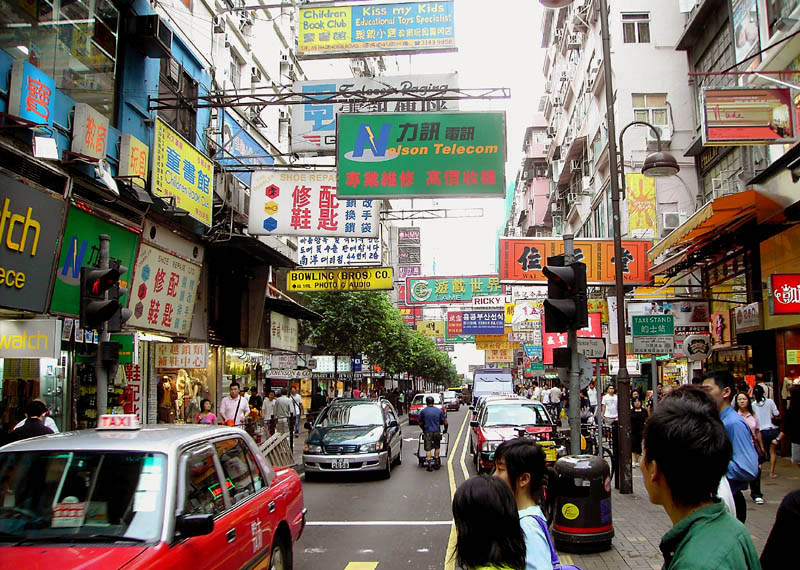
[{"x": 420, "y": 155}]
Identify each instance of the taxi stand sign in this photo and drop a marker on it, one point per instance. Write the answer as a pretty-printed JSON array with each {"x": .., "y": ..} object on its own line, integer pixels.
[
  {"x": 653, "y": 334},
  {"x": 119, "y": 422},
  {"x": 363, "y": 279}
]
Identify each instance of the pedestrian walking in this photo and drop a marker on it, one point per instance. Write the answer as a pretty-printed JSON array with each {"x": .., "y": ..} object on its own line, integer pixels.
[
  {"x": 767, "y": 413},
  {"x": 401, "y": 402},
  {"x": 33, "y": 426},
  {"x": 269, "y": 411},
  {"x": 744, "y": 408},
  {"x": 592, "y": 393},
  {"x": 430, "y": 418},
  {"x": 610, "y": 406},
  {"x": 555, "y": 401},
  {"x": 46, "y": 419},
  {"x": 520, "y": 463},
  {"x": 256, "y": 401},
  {"x": 684, "y": 455},
  {"x": 537, "y": 391},
  {"x": 283, "y": 412},
  {"x": 780, "y": 546},
  {"x": 297, "y": 410},
  {"x": 488, "y": 533},
  {"x": 791, "y": 430},
  {"x": 638, "y": 419},
  {"x": 233, "y": 408},
  {"x": 317, "y": 404},
  {"x": 743, "y": 466}
]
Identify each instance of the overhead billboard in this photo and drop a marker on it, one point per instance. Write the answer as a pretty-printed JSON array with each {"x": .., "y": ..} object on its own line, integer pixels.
[
  {"x": 365, "y": 279},
  {"x": 421, "y": 155},
  {"x": 483, "y": 322},
  {"x": 338, "y": 251},
  {"x": 314, "y": 124},
  {"x": 334, "y": 31},
  {"x": 447, "y": 290},
  {"x": 522, "y": 260},
  {"x": 305, "y": 203},
  {"x": 432, "y": 329},
  {"x": 745, "y": 116},
  {"x": 240, "y": 151},
  {"x": 408, "y": 236}
]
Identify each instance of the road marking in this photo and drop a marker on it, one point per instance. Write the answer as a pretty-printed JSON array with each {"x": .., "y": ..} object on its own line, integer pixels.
[
  {"x": 449, "y": 558},
  {"x": 379, "y": 523},
  {"x": 361, "y": 566}
]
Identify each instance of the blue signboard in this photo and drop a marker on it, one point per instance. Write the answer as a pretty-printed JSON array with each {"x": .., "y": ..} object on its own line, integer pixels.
[
  {"x": 32, "y": 93},
  {"x": 483, "y": 322},
  {"x": 533, "y": 351},
  {"x": 355, "y": 363},
  {"x": 239, "y": 149}
]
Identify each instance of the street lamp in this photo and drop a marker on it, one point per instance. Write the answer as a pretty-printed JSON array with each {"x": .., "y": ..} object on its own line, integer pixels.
[{"x": 657, "y": 164}]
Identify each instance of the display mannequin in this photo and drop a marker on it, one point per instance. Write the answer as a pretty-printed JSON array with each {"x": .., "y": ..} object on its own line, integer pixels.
[
  {"x": 184, "y": 392},
  {"x": 194, "y": 402},
  {"x": 167, "y": 395},
  {"x": 205, "y": 391}
]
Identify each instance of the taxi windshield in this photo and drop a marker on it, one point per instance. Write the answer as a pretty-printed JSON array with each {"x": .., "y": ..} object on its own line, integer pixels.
[
  {"x": 516, "y": 415},
  {"x": 102, "y": 496},
  {"x": 353, "y": 415},
  {"x": 420, "y": 399}
]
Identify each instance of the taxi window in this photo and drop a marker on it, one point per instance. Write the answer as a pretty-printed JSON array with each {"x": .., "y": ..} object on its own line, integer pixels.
[
  {"x": 238, "y": 478},
  {"x": 258, "y": 480},
  {"x": 204, "y": 493}
]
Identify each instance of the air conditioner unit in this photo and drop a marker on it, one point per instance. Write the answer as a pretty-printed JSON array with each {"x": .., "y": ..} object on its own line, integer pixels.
[
  {"x": 670, "y": 221},
  {"x": 572, "y": 197},
  {"x": 664, "y": 130},
  {"x": 575, "y": 166},
  {"x": 555, "y": 207},
  {"x": 548, "y": 87},
  {"x": 559, "y": 33},
  {"x": 574, "y": 41},
  {"x": 174, "y": 71},
  {"x": 285, "y": 59},
  {"x": 546, "y": 148},
  {"x": 253, "y": 114},
  {"x": 283, "y": 115},
  {"x": 556, "y": 101},
  {"x": 564, "y": 76},
  {"x": 551, "y": 131},
  {"x": 219, "y": 25},
  {"x": 255, "y": 75},
  {"x": 227, "y": 41},
  {"x": 151, "y": 35},
  {"x": 720, "y": 187},
  {"x": 589, "y": 85}
]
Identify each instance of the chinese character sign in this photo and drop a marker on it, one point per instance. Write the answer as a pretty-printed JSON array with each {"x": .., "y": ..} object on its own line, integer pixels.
[
  {"x": 409, "y": 271},
  {"x": 338, "y": 251},
  {"x": 306, "y": 204},
  {"x": 406, "y": 236},
  {"x": 408, "y": 254},
  {"x": 314, "y": 124},
  {"x": 164, "y": 291},
  {"x": 454, "y": 323},
  {"x": 400, "y": 28},
  {"x": 282, "y": 332},
  {"x": 445, "y": 290},
  {"x": 133, "y": 157},
  {"x": 182, "y": 172},
  {"x": 785, "y": 294},
  {"x": 418, "y": 155},
  {"x": 642, "y": 216},
  {"x": 181, "y": 355},
  {"x": 484, "y": 322},
  {"x": 432, "y": 329},
  {"x": 89, "y": 132},
  {"x": 31, "y": 94}
]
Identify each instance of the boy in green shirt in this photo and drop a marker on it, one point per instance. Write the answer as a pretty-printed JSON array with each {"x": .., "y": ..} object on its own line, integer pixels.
[{"x": 685, "y": 454}]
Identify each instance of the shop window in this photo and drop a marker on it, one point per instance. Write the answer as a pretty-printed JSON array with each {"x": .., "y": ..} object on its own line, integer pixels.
[
  {"x": 175, "y": 82},
  {"x": 73, "y": 42},
  {"x": 636, "y": 28}
]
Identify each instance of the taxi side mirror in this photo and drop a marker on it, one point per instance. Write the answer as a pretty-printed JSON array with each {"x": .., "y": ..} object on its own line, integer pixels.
[
  {"x": 472, "y": 408},
  {"x": 393, "y": 424},
  {"x": 307, "y": 426},
  {"x": 473, "y": 423},
  {"x": 195, "y": 525}
]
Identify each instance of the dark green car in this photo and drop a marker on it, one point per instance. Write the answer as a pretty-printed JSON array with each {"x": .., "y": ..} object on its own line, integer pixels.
[{"x": 354, "y": 435}]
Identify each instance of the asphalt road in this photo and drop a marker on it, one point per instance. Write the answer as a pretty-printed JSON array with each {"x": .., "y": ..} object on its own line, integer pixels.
[{"x": 359, "y": 522}]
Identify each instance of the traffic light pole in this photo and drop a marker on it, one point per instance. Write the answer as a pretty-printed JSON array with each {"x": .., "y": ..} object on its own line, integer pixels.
[
  {"x": 100, "y": 370},
  {"x": 574, "y": 385}
]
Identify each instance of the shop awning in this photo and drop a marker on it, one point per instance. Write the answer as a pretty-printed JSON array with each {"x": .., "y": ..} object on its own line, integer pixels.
[
  {"x": 280, "y": 303},
  {"x": 723, "y": 214}
]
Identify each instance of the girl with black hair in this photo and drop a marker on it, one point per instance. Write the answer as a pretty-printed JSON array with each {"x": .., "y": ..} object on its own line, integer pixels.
[
  {"x": 489, "y": 533},
  {"x": 520, "y": 463}
]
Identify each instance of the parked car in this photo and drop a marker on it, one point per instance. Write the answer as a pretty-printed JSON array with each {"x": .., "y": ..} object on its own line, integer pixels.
[
  {"x": 452, "y": 400},
  {"x": 502, "y": 419},
  {"x": 177, "y": 496},
  {"x": 354, "y": 435},
  {"x": 419, "y": 402}
]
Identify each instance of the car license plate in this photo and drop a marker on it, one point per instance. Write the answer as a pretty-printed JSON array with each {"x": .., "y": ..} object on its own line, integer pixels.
[{"x": 340, "y": 464}]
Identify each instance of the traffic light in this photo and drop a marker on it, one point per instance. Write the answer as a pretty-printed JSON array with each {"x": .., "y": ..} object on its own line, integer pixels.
[
  {"x": 565, "y": 306},
  {"x": 96, "y": 308},
  {"x": 116, "y": 292}
]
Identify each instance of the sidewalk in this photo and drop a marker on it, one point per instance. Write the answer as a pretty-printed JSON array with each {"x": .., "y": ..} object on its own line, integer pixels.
[{"x": 639, "y": 525}]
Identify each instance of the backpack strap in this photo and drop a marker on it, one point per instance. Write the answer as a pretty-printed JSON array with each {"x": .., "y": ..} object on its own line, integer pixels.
[{"x": 543, "y": 525}]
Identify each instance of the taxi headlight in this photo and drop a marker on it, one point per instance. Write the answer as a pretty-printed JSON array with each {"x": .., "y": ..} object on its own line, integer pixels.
[
  {"x": 311, "y": 448},
  {"x": 490, "y": 445},
  {"x": 371, "y": 447}
]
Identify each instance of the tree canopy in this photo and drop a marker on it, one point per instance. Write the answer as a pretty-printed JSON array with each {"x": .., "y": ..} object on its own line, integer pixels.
[{"x": 366, "y": 322}]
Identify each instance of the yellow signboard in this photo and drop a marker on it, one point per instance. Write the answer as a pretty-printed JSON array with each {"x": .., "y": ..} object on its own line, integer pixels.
[
  {"x": 364, "y": 279},
  {"x": 133, "y": 159},
  {"x": 182, "y": 172},
  {"x": 642, "y": 216},
  {"x": 432, "y": 329},
  {"x": 503, "y": 345},
  {"x": 503, "y": 355},
  {"x": 509, "y": 315},
  {"x": 481, "y": 338}
]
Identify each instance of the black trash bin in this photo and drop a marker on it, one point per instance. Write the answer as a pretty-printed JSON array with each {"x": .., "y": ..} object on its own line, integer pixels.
[{"x": 582, "y": 521}]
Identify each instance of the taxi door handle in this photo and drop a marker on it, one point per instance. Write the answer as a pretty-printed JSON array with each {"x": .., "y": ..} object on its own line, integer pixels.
[
  {"x": 231, "y": 535},
  {"x": 271, "y": 506}
]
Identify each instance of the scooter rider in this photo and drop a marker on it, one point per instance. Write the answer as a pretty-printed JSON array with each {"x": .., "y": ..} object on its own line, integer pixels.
[{"x": 430, "y": 418}]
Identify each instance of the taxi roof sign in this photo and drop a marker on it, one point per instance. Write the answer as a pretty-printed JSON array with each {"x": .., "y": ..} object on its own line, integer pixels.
[{"x": 118, "y": 422}]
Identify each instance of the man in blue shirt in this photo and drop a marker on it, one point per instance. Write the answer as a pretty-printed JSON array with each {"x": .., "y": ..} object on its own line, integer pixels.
[
  {"x": 429, "y": 420},
  {"x": 743, "y": 466}
]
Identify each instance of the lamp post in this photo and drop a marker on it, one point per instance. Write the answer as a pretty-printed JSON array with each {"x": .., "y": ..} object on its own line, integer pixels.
[{"x": 623, "y": 378}]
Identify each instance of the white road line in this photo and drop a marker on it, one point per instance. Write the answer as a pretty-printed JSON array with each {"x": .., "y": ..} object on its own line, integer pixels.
[
  {"x": 379, "y": 523},
  {"x": 449, "y": 559}
]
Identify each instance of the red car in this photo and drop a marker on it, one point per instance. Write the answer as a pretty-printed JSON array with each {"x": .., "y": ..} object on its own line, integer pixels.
[
  {"x": 500, "y": 420},
  {"x": 419, "y": 402},
  {"x": 156, "y": 497}
]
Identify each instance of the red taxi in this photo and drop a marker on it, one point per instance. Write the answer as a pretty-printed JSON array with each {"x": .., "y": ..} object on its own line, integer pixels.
[
  {"x": 153, "y": 497},
  {"x": 500, "y": 419},
  {"x": 419, "y": 402}
]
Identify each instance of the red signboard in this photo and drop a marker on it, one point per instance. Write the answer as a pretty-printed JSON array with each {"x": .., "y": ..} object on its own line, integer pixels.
[
  {"x": 749, "y": 115},
  {"x": 522, "y": 260},
  {"x": 786, "y": 294},
  {"x": 455, "y": 323},
  {"x": 551, "y": 341}
]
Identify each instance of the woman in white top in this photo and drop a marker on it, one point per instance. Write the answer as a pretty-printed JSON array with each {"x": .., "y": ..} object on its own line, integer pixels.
[{"x": 766, "y": 412}]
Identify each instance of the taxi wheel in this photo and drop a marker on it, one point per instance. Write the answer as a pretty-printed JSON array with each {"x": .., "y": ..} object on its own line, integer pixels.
[{"x": 280, "y": 559}]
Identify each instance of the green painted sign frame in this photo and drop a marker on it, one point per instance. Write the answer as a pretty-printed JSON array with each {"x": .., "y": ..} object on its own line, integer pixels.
[{"x": 653, "y": 325}]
